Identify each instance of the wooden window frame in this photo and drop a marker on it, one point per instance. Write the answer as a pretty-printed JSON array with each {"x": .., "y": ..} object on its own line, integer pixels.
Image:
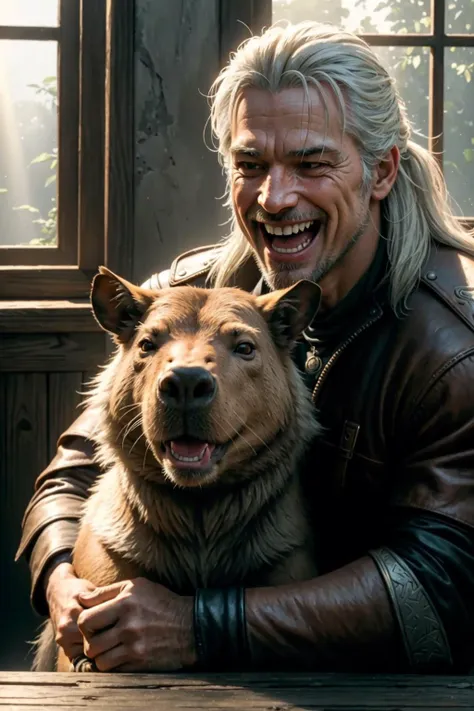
[
  {"x": 258, "y": 14},
  {"x": 437, "y": 41},
  {"x": 95, "y": 141}
]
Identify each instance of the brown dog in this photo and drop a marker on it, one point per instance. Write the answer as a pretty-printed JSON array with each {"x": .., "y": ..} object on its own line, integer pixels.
[{"x": 204, "y": 421}]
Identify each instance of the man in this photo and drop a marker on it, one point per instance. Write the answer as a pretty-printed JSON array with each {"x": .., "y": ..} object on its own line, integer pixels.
[{"x": 324, "y": 183}]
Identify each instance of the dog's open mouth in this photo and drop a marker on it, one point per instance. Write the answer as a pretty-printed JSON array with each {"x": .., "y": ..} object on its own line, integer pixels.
[{"x": 189, "y": 453}]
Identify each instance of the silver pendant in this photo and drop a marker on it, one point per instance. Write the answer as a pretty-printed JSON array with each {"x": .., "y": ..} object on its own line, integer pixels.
[{"x": 313, "y": 363}]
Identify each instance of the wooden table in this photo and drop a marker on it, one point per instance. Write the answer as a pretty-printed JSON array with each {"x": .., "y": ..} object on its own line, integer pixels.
[{"x": 253, "y": 692}]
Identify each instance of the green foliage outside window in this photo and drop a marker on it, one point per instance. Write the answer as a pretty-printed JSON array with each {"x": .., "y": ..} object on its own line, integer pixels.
[{"x": 48, "y": 90}]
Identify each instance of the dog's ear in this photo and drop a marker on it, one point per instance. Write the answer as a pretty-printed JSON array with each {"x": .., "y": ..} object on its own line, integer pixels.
[
  {"x": 117, "y": 304},
  {"x": 289, "y": 311}
]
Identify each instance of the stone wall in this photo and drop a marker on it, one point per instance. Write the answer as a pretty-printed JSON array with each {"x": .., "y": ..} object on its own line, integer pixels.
[{"x": 177, "y": 178}]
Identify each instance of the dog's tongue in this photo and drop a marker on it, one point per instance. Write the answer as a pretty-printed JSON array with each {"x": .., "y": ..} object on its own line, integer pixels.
[
  {"x": 291, "y": 241},
  {"x": 190, "y": 453},
  {"x": 189, "y": 448}
]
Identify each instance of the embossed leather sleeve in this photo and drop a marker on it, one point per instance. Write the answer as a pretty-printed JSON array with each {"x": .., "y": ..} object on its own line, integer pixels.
[
  {"x": 341, "y": 621},
  {"x": 433, "y": 499},
  {"x": 422, "y": 631},
  {"x": 428, "y": 569}
]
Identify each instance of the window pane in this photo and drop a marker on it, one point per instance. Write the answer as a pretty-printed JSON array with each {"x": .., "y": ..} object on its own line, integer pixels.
[
  {"x": 29, "y": 13},
  {"x": 459, "y": 127},
  {"x": 459, "y": 17},
  {"x": 410, "y": 67},
  {"x": 28, "y": 136},
  {"x": 383, "y": 16}
]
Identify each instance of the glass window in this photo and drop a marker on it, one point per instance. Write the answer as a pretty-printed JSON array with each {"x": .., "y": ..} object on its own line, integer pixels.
[
  {"x": 459, "y": 127},
  {"x": 29, "y": 13},
  {"x": 410, "y": 67},
  {"x": 459, "y": 17},
  {"x": 28, "y": 135},
  {"x": 383, "y": 16}
]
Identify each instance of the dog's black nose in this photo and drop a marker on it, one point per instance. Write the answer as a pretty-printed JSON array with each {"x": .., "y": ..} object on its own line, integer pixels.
[{"x": 187, "y": 387}]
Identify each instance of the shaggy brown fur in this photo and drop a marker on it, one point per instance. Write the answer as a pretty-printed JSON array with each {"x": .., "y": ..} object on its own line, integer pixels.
[{"x": 241, "y": 519}]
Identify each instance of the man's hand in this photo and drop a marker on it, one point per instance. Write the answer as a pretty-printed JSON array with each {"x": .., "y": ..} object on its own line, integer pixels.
[
  {"x": 137, "y": 625},
  {"x": 62, "y": 591}
]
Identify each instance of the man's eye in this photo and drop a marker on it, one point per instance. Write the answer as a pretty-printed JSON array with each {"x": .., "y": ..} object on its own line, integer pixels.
[
  {"x": 146, "y": 345},
  {"x": 248, "y": 166},
  {"x": 307, "y": 165},
  {"x": 245, "y": 350}
]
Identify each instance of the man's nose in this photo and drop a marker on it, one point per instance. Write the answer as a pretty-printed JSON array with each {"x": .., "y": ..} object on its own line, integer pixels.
[
  {"x": 278, "y": 192},
  {"x": 187, "y": 387}
]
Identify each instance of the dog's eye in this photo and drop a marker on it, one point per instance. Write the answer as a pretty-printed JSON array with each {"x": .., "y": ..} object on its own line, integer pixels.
[
  {"x": 146, "y": 346},
  {"x": 245, "y": 350}
]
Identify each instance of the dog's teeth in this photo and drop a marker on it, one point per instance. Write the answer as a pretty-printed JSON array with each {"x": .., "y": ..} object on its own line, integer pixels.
[{"x": 182, "y": 458}]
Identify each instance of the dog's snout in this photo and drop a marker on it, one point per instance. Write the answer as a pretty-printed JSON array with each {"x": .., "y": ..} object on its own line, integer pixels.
[{"x": 187, "y": 387}]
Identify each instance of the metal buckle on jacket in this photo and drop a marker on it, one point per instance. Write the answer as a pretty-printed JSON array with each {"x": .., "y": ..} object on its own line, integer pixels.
[{"x": 347, "y": 443}]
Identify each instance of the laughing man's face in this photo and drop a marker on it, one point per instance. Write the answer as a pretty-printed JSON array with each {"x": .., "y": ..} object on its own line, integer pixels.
[{"x": 297, "y": 183}]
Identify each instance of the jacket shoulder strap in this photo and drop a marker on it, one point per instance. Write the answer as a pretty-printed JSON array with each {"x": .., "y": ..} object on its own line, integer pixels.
[
  {"x": 449, "y": 273},
  {"x": 189, "y": 268}
]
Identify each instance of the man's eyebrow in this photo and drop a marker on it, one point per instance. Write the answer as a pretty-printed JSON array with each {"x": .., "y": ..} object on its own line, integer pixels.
[
  {"x": 314, "y": 150},
  {"x": 298, "y": 153},
  {"x": 239, "y": 148}
]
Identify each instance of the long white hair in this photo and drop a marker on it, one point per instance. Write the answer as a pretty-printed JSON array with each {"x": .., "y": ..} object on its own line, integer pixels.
[{"x": 417, "y": 209}]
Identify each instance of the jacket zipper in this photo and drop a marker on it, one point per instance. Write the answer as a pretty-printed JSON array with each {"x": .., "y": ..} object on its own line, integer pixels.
[{"x": 338, "y": 352}]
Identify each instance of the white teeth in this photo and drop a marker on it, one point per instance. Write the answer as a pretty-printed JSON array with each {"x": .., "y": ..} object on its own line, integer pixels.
[
  {"x": 302, "y": 246},
  {"x": 288, "y": 229},
  {"x": 181, "y": 458}
]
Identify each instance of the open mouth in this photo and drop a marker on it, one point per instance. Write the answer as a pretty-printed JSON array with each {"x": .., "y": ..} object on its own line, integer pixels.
[
  {"x": 290, "y": 243},
  {"x": 190, "y": 453}
]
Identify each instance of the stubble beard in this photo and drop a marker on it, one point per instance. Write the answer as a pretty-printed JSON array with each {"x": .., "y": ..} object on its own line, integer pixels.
[{"x": 281, "y": 276}]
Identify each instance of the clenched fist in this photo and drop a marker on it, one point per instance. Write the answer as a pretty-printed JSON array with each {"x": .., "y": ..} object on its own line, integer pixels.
[{"x": 136, "y": 626}]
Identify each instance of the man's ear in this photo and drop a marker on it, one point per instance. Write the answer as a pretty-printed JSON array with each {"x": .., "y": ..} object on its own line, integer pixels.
[
  {"x": 117, "y": 304},
  {"x": 289, "y": 311}
]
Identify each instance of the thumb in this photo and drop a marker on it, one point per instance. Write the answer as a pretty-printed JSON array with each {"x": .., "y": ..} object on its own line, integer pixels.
[{"x": 100, "y": 594}]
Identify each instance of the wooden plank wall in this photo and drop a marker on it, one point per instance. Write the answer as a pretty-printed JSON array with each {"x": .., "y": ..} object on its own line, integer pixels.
[{"x": 41, "y": 380}]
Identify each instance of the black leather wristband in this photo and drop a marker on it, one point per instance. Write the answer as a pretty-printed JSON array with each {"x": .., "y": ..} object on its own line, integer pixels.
[{"x": 219, "y": 628}]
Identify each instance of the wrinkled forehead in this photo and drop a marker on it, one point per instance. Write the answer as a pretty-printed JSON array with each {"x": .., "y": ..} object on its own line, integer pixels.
[
  {"x": 292, "y": 115},
  {"x": 210, "y": 311}
]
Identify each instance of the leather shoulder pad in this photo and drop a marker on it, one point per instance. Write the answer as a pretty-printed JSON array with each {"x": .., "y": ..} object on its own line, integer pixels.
[
  {"x": 160, "y": 280},
  {"x": 185, "y": 269},
  {"x": 193, "y": 264},
  {"x": 450, "y": 274}
]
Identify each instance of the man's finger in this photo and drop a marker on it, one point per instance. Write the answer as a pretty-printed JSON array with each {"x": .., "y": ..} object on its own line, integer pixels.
[
  {"x": 100, "y": 595},
  {"x": 101, "y": 642},
  {"x": 98, "y": 618},
  {"x": 112, "y": 659},
  {"x": 72, "y": 651}
]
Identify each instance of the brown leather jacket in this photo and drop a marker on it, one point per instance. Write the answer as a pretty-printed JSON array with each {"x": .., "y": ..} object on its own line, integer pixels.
[{"x": 392, "y": 483}]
